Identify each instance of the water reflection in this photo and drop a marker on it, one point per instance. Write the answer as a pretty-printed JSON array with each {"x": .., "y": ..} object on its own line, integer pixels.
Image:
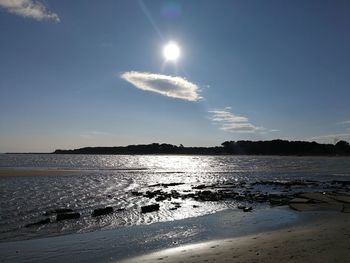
[{"x": 108, "y": 180}]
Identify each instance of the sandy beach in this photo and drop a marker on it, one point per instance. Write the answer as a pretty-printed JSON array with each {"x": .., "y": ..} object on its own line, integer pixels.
[{"x": 326, "y": 239}]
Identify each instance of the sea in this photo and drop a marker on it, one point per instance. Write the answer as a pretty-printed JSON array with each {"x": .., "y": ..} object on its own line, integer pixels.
[{"x": 97, "y": 181}]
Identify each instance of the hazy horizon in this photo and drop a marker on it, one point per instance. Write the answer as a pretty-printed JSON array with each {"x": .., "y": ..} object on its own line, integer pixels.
[{"x": 195, "y": 73}]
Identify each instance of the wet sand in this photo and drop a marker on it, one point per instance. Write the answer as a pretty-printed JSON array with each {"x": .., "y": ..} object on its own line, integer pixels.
[
  {"x": 325, "y": 239},
  {"x": 33, "y": 172}
]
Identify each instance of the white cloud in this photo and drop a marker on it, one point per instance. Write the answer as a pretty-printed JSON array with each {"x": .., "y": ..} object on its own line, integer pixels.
[
  {"x": 175, "y": 87},
  {"x": 29, "y": 8},
  {"x": 234, "y": 123}
]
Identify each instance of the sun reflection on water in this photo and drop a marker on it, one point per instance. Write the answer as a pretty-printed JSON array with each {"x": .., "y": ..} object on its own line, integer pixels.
[{"x": 100, "y": 181}]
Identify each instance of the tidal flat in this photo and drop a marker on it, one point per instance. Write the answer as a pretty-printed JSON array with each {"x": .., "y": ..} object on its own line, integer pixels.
[{"x": 112, "y": 208}]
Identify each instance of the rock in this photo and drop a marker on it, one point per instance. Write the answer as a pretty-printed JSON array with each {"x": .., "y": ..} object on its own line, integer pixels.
[
  {"x": 161, "y": 198},
  {"x": 278, "y": 201},
  {"x": 175, "y": 194},
  {"x": 319, "y": 197},
  {"x": 302, "y": 207},
  {"x": 102, "y": 211},
  {"x": 190, "y": 195},
  {"x": 202, "y": 186},
  {"x": 228, "y": 194},
  {"x": 41, "y": 222},
  {"x": 223, "y": 186},
  {"x": 150, "y": 194},
  {"x": 58, "y": 211},
  {"x": 149, "y": 208},
  {"x": 341, "y": 198},
  {"x": 207, "y": 196},
  {"x": 247, "y": 209},
  {"x": 172, "y": 184},
  {"x": 154, "y": 185},
  {"x": 195, "y": 206},
  {"x": 240, "y": 197},
  {"x": 66, "y": 216},
  {"x": 346, "y": 208},
  {"x": 165, "y": 185},
  {"x": 136, "y": 193},
  {"x": 244, "y": 208},
  {"x": 176, "y": 204},
  {"x": 260, "y": 198},
  {"x": 299, "y": 200},
  {"x": 337, "y": 206}
]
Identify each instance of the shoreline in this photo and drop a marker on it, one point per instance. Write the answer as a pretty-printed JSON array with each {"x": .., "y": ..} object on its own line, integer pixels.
[
  {"x": 316, "y": 236},
  {"x": 325, "y": 239},
  {"x": 114, "y": 245}
]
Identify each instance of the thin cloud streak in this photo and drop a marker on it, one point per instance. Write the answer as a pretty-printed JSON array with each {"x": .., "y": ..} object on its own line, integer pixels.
[
  {"x": 332, "y": 137},
  {"x": 344, "y": 122},
  {"x": 29, "y": 9},
  {"x": 174, "y": 87},
  {"x": 234, "y": 123}
]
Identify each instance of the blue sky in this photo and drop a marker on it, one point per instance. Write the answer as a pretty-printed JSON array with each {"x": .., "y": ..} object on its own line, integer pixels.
[{"x": 87, "y": 73}]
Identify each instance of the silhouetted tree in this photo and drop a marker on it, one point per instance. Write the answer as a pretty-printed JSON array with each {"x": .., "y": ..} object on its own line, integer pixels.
[{"x": 342, "y": 147}]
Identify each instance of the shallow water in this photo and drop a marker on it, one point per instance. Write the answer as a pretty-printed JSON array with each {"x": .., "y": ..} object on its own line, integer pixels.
[
  {"x": 103, "y": 180},
  {"x": 116, "y": 244}
]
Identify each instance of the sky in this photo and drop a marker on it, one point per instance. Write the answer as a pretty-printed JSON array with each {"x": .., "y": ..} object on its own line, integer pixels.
[{"x": 93, "y": 73}]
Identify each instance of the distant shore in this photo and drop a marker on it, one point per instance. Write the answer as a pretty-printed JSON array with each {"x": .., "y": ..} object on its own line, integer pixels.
[
  {"x": 273, "y": 147},
  {"x": 323, "y": 240}
]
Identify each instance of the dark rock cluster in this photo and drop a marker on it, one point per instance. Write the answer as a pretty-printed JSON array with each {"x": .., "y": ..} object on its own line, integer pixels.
[{"x": 296, "y": 194}]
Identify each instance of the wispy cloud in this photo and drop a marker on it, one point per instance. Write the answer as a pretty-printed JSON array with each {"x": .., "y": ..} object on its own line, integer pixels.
[
  {"x": 29, "y": 8},
  {"x": 344, "y": 122},
  {"x": 332, "y": 137},
  {"x": 234, "y": 123},
  {"x": 174, "y": 87}
]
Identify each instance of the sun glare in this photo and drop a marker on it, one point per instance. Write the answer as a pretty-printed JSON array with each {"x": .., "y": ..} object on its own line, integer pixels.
[{"x": 171, "y": 51}]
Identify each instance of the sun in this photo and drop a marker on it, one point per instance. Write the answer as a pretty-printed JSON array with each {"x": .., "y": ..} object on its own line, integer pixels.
[{"x": 171, "y": 51}]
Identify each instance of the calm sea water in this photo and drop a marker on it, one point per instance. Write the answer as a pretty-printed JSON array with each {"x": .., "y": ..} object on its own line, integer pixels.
[{"x": 104, "y": 180}]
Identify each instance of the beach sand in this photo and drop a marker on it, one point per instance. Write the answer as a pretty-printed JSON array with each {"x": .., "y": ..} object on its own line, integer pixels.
[
  {"x": 33, "y": 172},
  {"x": 326, "y": 239}
]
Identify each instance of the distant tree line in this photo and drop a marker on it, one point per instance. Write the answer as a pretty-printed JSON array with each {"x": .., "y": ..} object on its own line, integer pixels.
[{"x": 274, "y": 147}]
